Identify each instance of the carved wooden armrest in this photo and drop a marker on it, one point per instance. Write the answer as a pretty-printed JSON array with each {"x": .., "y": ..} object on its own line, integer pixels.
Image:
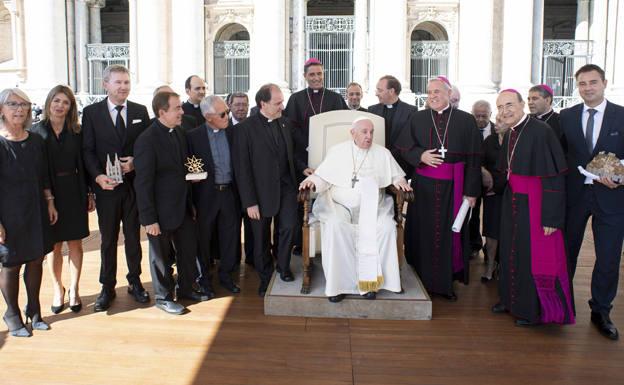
[{"x": 399, "y": 197}]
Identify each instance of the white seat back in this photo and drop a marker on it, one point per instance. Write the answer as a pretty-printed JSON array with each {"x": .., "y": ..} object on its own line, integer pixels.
[{"x": 333, "y": 127}]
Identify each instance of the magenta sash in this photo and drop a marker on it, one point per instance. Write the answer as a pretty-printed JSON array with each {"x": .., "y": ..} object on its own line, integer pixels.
[
  {"x": 548, "y": 259},
  {"x": 454, "y": 172}
]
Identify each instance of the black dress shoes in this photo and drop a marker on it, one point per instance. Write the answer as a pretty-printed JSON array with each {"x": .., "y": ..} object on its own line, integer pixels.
[
  {"x": 337, "y": 298},
  {"x": 451, "y": 297},
  {"x": 170, "y": 307},
  {"x": 370, "y": 295},
  {"x": 231, "y": 287},
  {"x": 498, "y": 308},
  {"x": 205, "y": 294},
  {"x": 287, "y": 276},
  {"x": 524, "y": 322},
  {"x": 604, "y": 325},
  {"x": 263, "y": 289},
  {"x": 104, "y": 299},
  {"x": 137, "y": 291}
]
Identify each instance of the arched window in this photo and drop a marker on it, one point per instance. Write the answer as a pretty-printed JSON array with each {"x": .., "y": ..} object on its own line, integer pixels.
[
  {"x": 231, "y": 60},
  {"x": 429, "y": 55},
  {"x": 329, "y": 29}
]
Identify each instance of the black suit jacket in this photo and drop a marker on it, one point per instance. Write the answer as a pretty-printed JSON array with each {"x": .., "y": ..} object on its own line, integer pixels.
[
  {"x": 400, "y": 121},
  {"x": 611, "y": 139},
  {"x": 204, "y": 192},
  {"x": 256, "y": 163},
  {"x": 162, "y": 192},
  {"x": 189, "y": 109},
  {"x": 100, "y": 138}
]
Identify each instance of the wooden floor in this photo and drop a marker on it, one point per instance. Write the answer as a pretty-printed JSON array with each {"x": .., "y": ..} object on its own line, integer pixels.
[{"x": 229, "y": 341}]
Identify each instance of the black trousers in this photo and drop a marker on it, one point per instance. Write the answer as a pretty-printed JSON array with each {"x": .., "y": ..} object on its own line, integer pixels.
[
  {"x": 248, "y": 240},
  {"x": 113, "y": 209},
  {"x": 608, "y": 232},
  {"x": 184, "y": 241},
  {"x": 474, "y": 227},
  {"x": 286, "y": 222},
  {"x": 222, "y": 220}
]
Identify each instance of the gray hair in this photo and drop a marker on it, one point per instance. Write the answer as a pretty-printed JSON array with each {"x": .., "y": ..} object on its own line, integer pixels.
[
  {"x": 113, "y": 68},
  {"x": 361, "y": 119},
  {"x": 207, "y": 104},
  {"x": 482, "y": 104},
  {"x": 7, "y": 93},
  {"x": 444, "y": 84}
]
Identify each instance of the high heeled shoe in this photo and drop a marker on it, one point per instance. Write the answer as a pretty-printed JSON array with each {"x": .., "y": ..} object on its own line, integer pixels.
[
  {"x": 76, "y": 307},
  {"x": 58, "y": 309},
  {"x": 16, "y": 326},
  {"x": 36, "y": 322}
]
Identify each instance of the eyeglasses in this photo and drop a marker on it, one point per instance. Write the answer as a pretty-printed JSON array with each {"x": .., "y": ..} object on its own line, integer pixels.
[
  {"x": 16, "y": 105},
  {"x": 222, "y": 114}
]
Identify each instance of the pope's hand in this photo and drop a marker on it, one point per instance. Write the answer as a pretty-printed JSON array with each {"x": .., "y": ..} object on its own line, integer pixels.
[
  {"x": 402, "y": 185},
  {"x": 306, "y": 184}
]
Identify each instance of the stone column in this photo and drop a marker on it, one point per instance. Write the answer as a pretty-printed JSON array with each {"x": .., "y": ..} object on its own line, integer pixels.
[
  {"x": 517, "y": 45},
  {"x": 153, "y": 42},
  {"x": 46, "y": 45},
  {"x": 187, "y": 48},
  {"x": 475, "y": 48},
  {"x": 615, "y": 92},
  {"x": 268, "y": 45},
  {"x": 82, "y": 39},
  {"x": 538, "y": 38},
  {"x": 71, "y": 43},
  {"x": 598, "y": 31},
  {"x": 95, "y": 25},
  {"x": 582, "y": 20},
  {"x": 360, "y": 50},
  {"x": 298, "y": 44},
  {"x": 389, "y": 44}
]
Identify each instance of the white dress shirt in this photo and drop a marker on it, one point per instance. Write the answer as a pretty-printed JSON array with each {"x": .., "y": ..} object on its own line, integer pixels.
[
  {"x": 598, "y": 116},
  {"x": 113, "y": 112}
]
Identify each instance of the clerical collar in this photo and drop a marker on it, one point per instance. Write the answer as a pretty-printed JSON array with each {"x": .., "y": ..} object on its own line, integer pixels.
[
  {"x": 524, "y": 117},
  {"x": 544, "y": 114},
  {"x": 393, "y": 105},
  {"x": 264, "y": 119},
  {"x": 447, "y": 108},
  {"x": 315, "y": 91},
  {"x": 194, "y": 105},
  {"x": 161, "y": 125}
]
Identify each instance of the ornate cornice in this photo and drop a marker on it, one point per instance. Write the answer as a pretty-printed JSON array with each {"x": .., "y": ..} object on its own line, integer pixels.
[{"x": 218, "y": 17}]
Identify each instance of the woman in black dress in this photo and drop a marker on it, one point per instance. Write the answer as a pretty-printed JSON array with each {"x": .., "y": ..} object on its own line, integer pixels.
[
  {"x": 26, "y": 211},
  {"x": 61, "y": 132},
  {"x": 492, "y": 197}
]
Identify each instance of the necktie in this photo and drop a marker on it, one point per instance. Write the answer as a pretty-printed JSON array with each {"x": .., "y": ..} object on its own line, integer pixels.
[
  {"x": 589, "y": 130},
  {"x": 120, "y": 126}
]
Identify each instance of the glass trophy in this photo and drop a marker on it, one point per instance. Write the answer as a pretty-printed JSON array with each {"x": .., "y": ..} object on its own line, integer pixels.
[
  {"x": 195, "y": 167},
  {"x": 113, "y": 169}
]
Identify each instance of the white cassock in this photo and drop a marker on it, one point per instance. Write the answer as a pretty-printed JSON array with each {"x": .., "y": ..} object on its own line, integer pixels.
[{"x": 358, "y": 231}]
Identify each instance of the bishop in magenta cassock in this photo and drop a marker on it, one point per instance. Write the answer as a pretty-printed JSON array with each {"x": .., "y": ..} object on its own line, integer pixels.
[
  {"x": 443, "y": 145},
  {"x": 534, "y": 285}
]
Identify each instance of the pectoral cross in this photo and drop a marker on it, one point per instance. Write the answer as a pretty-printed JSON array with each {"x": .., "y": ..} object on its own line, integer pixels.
[
  {"x": 442, "y": 151},
  {"x": 354, "y": 180}
]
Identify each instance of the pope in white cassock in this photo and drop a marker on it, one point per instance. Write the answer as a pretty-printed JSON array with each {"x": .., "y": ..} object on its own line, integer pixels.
[{"x": 358, "y": 232}]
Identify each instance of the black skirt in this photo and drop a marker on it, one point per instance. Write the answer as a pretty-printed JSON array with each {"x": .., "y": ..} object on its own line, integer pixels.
[{"x": 492, "y": 216}]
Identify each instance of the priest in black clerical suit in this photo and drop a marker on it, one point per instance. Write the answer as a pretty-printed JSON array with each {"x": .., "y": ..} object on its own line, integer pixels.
[
  {"x": 110, "y": 128},
  {"x": 216, "y": 197},
  {"x": 534, "y": 286},
  {"x": 396, "y": 113},
  {"x": 165, "y": 206},
  {"x": 195, "y": 88},
  {"x": 304, "y": 104},
  {"x": 443, "y": 147},
  {"x": 540, "y": 104},
  {"x": 264, "y": 167}
]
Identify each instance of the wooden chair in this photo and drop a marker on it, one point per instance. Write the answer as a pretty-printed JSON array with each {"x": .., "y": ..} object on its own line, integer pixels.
[{"x": 326, "y": 130}]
